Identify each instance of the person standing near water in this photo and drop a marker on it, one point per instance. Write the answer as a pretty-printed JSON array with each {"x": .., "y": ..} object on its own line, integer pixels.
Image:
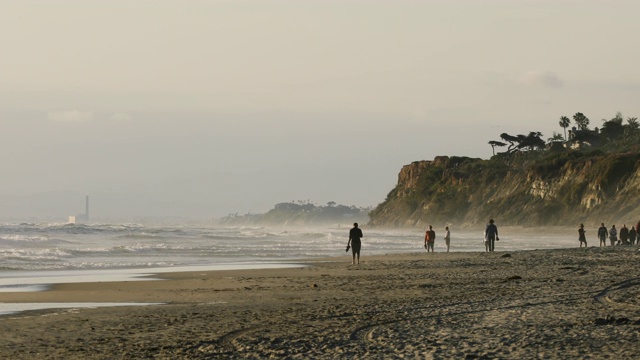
[
  {"x": 429, "y": 239},
  {"x": 355, "y": 234},
  {"x": 491, "y": 235},
  {"x": 624, "y": 234},
  {"x": 613, "y": 235},
  {"x": 603, "y": 233},
  {"x": 632, "y": 235},
  {"x": 447, "y": 237},
  {"x": 581, "y": 237}
]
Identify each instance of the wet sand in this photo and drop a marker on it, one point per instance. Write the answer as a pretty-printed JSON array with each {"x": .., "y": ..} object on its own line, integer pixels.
[{"x": 551, "y": 304}]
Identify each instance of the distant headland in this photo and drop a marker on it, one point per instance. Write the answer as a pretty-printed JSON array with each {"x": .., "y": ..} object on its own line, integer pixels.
[{"x": 302, "y": 213}]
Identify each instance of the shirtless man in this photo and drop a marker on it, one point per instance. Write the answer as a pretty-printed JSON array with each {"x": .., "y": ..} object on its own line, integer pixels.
[{"x": 429, "y": 239}]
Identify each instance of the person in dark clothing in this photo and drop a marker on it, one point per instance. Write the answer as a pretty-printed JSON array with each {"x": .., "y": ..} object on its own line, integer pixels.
[
  {"x": 632, "y": 235},
  {"x": 355, "y": 234},
  {"x": 491, "y": 235},
  {"x": 581, "y": 236},
  {"x": 624, "y": 234},
  {"x": 603, "y": 233}
]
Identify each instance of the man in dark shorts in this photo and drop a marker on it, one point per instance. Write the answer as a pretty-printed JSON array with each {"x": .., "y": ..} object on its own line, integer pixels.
[
  {"x": 603, "y": 233},
  {"x": 429, "y": 239},
  {"x": 354, "y": 241},
  {"x": 491, "y": 235}
]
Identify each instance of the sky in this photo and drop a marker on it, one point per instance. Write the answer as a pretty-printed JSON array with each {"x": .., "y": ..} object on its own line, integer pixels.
[{"x": 198, "y": 109}]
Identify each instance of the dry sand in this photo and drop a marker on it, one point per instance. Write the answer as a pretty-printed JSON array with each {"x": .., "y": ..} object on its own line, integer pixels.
[{"x": 563, "y": 304}]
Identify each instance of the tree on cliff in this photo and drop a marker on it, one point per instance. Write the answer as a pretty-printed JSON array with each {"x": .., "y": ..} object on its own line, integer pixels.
[
  {"x": 523, "y": 142},
  {"x": 531, "y": 141},
  {"x": 581, "y": 121},
  {"x": 564, "y": 123},
  {"x": 510, "y": 139},
  {"x": 555, "y": 137},
  {"x": 631, "y": 129},
  {"x": 494, "y": 143},
  {"x": 613, "y": 129}
]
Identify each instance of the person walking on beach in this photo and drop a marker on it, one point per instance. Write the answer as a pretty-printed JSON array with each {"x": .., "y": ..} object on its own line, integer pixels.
[
  {"x": 447, "y": 237},
  {"x": 603, "y": 233},
  {"x": 624, "y": 234},
  {"x": 429, "y": 239},
  {"x": 355, "y": 234},
  {"x": 613, "y": 235},
  {"x": 581, "y": 237},
  {"x": 632, "y": 235},
  {"x": 490, "y": 236}
]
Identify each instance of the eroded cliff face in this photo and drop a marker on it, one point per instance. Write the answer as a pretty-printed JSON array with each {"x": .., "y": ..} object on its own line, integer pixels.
[{"x": 566, "y": 189}]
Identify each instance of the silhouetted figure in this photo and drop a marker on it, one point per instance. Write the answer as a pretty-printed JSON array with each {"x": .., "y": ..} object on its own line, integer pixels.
[
  {"x": 624, "y": 234},
  {"x": 632, "y": 235},
  {"x": 429, "y": 239},
  {"x": 603, "y": 233},
  {"x": 447, "y": 237},
  {"x": 613, "y": 235},
  {"x": 355, "y": 234},
  {"x": 581, "y": 236},
  {"x": 490, "y": 236}
]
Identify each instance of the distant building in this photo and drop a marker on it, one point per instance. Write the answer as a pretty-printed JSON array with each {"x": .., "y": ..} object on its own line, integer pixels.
[
  {"x": 582, "y": 138},
  {"x": 81, "y": 218}
]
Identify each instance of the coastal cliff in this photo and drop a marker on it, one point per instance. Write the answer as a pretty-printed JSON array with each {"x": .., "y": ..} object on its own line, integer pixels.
[{"x": 521, "y": 189}]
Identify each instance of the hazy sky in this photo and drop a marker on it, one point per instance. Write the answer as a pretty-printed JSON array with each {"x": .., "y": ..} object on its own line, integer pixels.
[{"x": 203, "y": 108}]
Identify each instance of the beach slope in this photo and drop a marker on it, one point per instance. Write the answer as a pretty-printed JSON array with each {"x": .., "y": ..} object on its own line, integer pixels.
[{"x": 573, "y": 303}]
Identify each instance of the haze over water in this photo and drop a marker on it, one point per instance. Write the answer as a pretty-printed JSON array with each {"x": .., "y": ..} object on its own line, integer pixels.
[{"x": 51, "y": 247}]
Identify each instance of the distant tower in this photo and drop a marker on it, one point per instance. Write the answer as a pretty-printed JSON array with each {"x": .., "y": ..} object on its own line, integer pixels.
[{"x": 81, "y": 218}]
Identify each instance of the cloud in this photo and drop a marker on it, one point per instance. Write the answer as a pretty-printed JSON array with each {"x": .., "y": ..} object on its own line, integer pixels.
[
  {"x": 540, "y": 78},
  {"x": 70, "y": 116},
  {"x": 121, "y": 117}
]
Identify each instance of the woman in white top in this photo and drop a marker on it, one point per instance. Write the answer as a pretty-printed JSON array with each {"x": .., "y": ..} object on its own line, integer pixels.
[{"x": 447, "y": 238}]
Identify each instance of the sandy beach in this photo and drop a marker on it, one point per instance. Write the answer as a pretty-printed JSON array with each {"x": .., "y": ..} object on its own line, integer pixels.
[{"x": 562, "y": 304}]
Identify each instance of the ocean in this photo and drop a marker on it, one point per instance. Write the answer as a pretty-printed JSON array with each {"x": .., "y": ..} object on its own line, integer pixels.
[
  {"x": 70, "y": 247},
  {"x": 34, "y": 256}
]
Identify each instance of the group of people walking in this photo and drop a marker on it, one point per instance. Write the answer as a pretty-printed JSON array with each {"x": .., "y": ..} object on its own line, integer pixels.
[
  {"x": 490, "y": 237},
  {"x": 627, "y": 236},
  {"x": 355, "y": 234}
]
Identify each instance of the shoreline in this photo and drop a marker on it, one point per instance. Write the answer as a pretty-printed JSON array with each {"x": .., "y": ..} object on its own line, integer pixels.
[
  {"x": 560, "y": 303},
  {"x": 37, "y": 281}
]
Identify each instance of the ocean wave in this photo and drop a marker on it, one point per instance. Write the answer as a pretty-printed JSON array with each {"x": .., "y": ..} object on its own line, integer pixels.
[
  {"x": 34, "y": 254},
  {"x": 142, "y": 236},
  {"x": 12, "y": 238},
  {"x": 220, "y": 237}
]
